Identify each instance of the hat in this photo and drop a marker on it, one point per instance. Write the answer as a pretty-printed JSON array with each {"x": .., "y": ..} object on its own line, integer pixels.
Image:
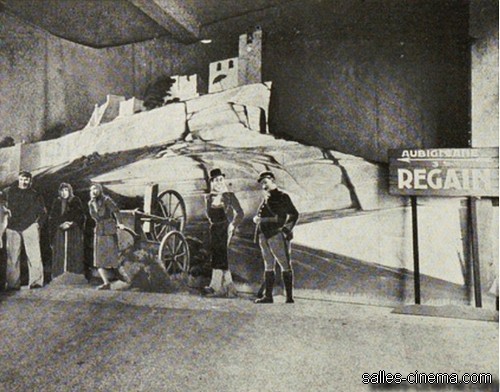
[
  {"x": 216, "y": 173},
  {"x": 25, "y": 173},
  {"x": 266, "y": 174}
]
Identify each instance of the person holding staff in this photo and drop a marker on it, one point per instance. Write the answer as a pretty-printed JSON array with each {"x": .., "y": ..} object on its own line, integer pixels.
[{"x": 66, "y": 222}]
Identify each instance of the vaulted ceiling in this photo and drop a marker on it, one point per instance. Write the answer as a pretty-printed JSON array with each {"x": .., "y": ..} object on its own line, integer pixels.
[{"x": 105, "y": 23}]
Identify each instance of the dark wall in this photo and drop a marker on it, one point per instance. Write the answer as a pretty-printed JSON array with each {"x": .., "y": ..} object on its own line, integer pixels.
[
  {"x": 356, "y": 76},
  {"x": 365, "y": 76},
  {"x": 484, "y": 72}
]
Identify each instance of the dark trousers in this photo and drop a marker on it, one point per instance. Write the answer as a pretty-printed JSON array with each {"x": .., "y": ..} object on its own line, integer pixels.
[{"x": 218, "y": 245}]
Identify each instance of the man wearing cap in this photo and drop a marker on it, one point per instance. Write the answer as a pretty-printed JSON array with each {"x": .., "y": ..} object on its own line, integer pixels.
[
  {"x": 275, "y": 221},
  {"x": 27, "y": 214}
]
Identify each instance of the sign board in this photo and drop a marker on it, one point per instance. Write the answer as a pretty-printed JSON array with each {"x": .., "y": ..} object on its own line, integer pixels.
[{"x": 444, "y": 172}]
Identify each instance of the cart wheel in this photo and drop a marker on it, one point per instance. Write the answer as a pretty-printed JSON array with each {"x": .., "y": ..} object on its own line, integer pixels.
[
  {"x": 174, "y": 252},
  {"x": 171, "y": 205}
]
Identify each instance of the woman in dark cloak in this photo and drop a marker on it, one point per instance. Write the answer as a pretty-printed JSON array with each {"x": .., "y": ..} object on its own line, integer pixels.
[{"x": 66, "y": 222}]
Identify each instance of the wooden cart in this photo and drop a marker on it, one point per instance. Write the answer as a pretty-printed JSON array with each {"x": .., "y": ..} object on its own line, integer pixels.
[{"x": 162, "y": 222}]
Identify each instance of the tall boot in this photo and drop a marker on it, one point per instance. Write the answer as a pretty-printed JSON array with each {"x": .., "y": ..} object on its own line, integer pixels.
[
  {"x": 288, "y": 282},
  {"x": 260, "y": 293},
  {"x": 269, "y": 282}
]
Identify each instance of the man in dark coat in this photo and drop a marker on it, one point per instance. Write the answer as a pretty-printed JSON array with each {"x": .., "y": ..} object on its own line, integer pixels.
[
  {"x": 27, "y": 214},
  {"x": 275, "y": 221}
]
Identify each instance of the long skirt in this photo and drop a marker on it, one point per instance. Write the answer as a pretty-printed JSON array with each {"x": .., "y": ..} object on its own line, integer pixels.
[
  {"x": 218, "y": 245},
  {"x": 67, "y": 251},
  {"x": 106, "y": 251}
]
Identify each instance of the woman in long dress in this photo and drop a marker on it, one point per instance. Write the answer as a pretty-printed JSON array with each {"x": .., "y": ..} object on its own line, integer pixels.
[
  {"x": 224, "y": 213},
  {"x": 66, "y": 222},
  {"x": 104, "y": 211}
]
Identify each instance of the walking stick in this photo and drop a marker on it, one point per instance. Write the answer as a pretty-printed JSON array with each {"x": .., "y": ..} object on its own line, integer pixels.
[{"x": 65, "y": 251}]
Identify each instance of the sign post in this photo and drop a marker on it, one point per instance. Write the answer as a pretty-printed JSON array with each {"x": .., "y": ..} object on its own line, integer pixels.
[
  {"x": 448, "y": 172},
  {"x": 416, "y": 257},
  {"x": 474, "y": 245}
]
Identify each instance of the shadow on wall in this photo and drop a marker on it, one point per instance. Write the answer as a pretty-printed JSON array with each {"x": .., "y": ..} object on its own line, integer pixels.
[
  {"x": 55, "y": 131},
  {"x": 7, "y": 141},
  {"x": 157, "y": 93}
]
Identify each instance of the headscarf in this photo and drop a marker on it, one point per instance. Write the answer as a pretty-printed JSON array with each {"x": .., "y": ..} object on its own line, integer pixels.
[
  {"x": 98, "y": 203},
  {"x": 64, "y": 202},
  {"x": 101, "y": 191}
]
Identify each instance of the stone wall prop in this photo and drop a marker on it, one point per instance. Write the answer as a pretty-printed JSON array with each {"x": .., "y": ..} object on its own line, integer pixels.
[{"x": 10, "y": 163}]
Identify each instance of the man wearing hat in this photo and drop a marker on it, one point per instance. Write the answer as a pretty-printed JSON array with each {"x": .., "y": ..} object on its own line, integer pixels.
[
  {"x": 275, "y": 221},
  {"x": 27, "y": 214}
]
